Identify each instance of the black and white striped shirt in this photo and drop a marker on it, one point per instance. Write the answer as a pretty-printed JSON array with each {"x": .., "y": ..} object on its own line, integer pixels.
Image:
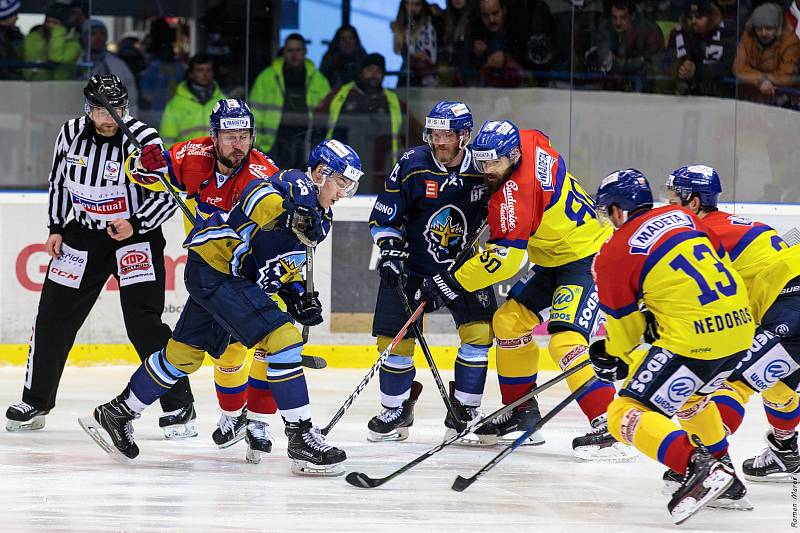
[{"x": 88, "y": 180}]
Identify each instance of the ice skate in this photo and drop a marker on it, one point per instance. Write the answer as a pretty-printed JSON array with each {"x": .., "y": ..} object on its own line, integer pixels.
[
  {"x": 310, "y": 453},
  {"x": 393, "y": 422},
  {"x": 259, "y": 440},
  {"x": 230, "y": 429},
  {"x": 600, "y": 446},
  {"x": 778, "y": 463},
  {"x": 705, "y": 480},
  {"x": 467, "y": 415},
  {"x": 504, "y": 429},
  {"x": 24, "y": 417},
  {"x": 179, "y": 424},
  {"x": 113, "y": 420}
]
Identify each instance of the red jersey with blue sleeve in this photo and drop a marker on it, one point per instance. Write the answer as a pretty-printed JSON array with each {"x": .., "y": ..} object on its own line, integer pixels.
[
  {"x": 542, "y": 210},
  {"x": 759, "y": 254},
  {"x": 667, "y": 259}
]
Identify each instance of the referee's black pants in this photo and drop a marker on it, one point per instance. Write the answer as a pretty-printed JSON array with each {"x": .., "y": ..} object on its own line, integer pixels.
[{"x": 63, "y": 310}]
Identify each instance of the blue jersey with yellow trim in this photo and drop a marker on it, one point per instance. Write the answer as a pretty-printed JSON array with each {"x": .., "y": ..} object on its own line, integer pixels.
[
  {"x": 667, "y": 259},
  {"x": 244, "y": 242},
  {"x": 432, "y": 208},
  {"x": 759, "y": 254}
]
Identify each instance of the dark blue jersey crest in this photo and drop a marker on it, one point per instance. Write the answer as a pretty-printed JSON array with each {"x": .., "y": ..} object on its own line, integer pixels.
[{"x": 431, "y": 208}]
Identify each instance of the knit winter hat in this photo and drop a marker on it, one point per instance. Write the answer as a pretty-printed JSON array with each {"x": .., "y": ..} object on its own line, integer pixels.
[
  {"x": 8, "y": 8},
  {"x": 766, "y": 16}
]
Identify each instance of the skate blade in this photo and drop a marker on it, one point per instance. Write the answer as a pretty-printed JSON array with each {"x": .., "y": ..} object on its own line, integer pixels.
[
  {"x": 471, "y": 440},
  {"x": 37, "y": 422},
  {"x": 536, "y": 439},
  {"x": 96, "y": 432},
  {"x": 252, "y": 457},
  {"x": 780, "y": 477},
  {"x": 396, "y": 435},
  {"x": 742, "y": 504},
  {"x": 236, "y": 438},
  {"x": 304, "y": 468},
  {"x": 616, "y": 453},
  {"x": 717, "y": 483},
  {"x": 669, "y": 488},
  {"x": 180, "y": 431}
]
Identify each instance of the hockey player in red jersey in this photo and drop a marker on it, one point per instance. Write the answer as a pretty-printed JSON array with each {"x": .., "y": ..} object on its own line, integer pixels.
[{"x": 213, "y": 171}]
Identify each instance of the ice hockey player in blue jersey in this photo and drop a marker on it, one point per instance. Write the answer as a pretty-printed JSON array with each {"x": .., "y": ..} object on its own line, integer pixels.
[
  {"x": 432, "y": 202},
  {"x": 243, "y": 276}
]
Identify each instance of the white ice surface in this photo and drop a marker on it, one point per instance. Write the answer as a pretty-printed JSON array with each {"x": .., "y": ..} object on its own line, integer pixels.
[{"x": 57, "y": 479}]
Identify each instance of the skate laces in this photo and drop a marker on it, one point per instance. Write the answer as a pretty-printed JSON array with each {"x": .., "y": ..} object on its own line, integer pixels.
[
  {"x": 227, "y": 423},
  {"x": 502, "y": 419},
  {"x": 390, "y": 414},
  {"x": 258, "y": 429},
  {"x": 766, "y": 458},
  {"x": 23, "y": 407},
  {"x": 316, "y": 440}
]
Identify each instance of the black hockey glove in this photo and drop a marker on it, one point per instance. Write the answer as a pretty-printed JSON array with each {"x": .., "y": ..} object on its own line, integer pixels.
[
  {"x": 392, "y": 264},
  {"x": 607, "y": 367},
  {"x": 303, "y": 222},
  {"x": 438, "y": 291},
  {"x": 302, "y": 306},
  {"x": 650, "y": 334}
]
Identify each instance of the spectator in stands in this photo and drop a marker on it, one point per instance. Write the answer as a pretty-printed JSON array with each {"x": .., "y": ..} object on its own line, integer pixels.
[
  {"x": 186, "y": 114},
  {"x": 11, "y": 40},
  {"x": 283, "y": 97},
  {"x": 496, "y": 57},
  {"x": 455, "y": 56},
  {"x": 625, "y": 47},
  {"x": 767, "y": 57},
  {"x": 54, "y": 44},
  {"x": 160, "y": 79},
  {"x": 93, "y": 39},
  {"x": 340, "y": 64},
  {"x": 700, "y": 53},
  {"x": 370, "y": 119},
  {"x": 415, "y": 40},
  {"x": 78, "y": 14},
  {"x": 793, "y": 16},
  {"x": 131, "y": 51},
  {"x": 561, "y": 36}
]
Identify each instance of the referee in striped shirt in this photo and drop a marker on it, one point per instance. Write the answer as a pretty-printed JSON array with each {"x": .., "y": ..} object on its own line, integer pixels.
[{"x": 115, "y": 229}]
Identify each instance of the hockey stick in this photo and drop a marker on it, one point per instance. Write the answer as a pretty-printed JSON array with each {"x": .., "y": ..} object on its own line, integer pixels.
[
  {"x": 309, "y": 282},
  {"x": 309, "y": 361},
  {"x": 122, "y": 126},
  {"x": 361, "y": 480},
  {"x": 460, "y": 258},
  {"x": 423, "y": 344},
  {"x": 461, "y": 483},
  {"x": 399, "y": 337}
]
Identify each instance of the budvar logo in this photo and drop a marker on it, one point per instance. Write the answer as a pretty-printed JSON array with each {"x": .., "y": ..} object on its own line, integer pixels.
[
  {"x": 133, "y": 260},
  {"x": 508, "y": 216},
  {"x": 192, "y": 148},
  {"x": 652, "y": 230}
]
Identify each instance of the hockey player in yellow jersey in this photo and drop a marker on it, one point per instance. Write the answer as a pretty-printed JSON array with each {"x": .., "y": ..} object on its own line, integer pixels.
[
  {"x": 667, "y": 260},
  {"x": 771, "y": 273},
  {"x": 537, "y": 211}
]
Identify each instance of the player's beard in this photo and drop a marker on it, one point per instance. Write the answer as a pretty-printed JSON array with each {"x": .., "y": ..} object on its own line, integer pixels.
[
  {"x": 494, "y": 181},
  {"x": 233, "y": 160},
  {"x": 445, "y": 155}
]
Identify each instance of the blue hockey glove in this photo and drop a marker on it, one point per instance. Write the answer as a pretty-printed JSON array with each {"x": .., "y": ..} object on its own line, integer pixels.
[
  {"x": 392, "y": 264},
  {"x": 438, "y": 291},
  {"x": 607, "y": 367},
  {"x": 302, "y": 306},
  {"x": 303, "y": 222}
]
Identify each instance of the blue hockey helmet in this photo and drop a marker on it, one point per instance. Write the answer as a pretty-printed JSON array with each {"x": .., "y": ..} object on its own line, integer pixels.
[
  {"x": 496, "y": 139},
  {"x": 231, "y": 114},
  {"x": 454, "y": 116},
  {"x": 627, "y": 189},
  {"x": 340, "y": 161},
  {"x": 700, "y": 180}
]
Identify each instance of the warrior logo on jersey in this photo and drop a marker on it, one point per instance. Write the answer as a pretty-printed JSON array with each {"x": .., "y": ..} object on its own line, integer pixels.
[
  {"x": 280, "y": 270},
  {"x": 445, "y": 234},
  {"x": 740, "y": 221}
]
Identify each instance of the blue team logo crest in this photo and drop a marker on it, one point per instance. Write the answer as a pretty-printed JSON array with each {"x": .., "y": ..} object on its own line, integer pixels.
[
  {"x": 445, "y": 233},
  {"x": 280, "y": 270}
]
